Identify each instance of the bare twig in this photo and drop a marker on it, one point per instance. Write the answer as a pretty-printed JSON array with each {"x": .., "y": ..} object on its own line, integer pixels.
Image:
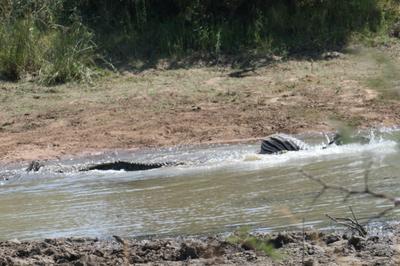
[
  {"x": 353, "y": 223},
  {"x": 350, "y": 223},
  {"x": 304, "y": 243},
  {"x": 354, "y": 216},
  {"x": 349, "y": 192}
]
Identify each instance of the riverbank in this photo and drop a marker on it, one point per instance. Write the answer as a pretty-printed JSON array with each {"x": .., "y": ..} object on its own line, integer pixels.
[
  {"x": 168, "y": 106},
  {"x": 293, "y": 248}
]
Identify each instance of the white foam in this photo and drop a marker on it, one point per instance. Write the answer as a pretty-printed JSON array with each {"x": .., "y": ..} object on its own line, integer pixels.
[{"x": 250, "y": 161}]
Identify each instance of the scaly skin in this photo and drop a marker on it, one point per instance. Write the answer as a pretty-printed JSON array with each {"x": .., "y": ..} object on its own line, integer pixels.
[{"x": 128, "y": 166}]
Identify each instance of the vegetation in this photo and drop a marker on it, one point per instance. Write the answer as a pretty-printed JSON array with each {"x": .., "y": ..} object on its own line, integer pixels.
[
  {"x": 386, "y": 80},
  {"x": 70, "y": 56},
  {"x": 54, "y": 41},
  {"x": 32, "y": 42},
  {"x": 248, "y": 241}
]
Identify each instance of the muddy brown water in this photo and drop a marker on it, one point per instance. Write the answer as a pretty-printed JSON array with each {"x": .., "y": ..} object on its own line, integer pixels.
[{"x": 222, "y": 187}]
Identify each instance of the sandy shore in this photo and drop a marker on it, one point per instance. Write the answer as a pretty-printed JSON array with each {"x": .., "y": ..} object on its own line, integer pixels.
[{"x": 168, "y": 107}]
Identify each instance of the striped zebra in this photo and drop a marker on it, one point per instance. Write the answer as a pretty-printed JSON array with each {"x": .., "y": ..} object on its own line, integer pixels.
[{"x": 279, "y": 143}]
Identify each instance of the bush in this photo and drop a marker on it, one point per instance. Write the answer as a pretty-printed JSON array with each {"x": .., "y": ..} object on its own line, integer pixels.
[
  {"x": 20, "y": 51},
  {"x": 33, "y": 42},
  {"x": 54, "y": 40},
  {"x": 150, "y": 28},
  {"x": 70, "y": 56}
]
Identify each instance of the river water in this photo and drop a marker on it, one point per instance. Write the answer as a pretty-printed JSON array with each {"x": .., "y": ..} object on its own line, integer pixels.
[{"x": 222, "y": 187}]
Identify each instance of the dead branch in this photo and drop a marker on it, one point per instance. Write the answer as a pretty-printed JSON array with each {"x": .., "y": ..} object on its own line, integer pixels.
[
  {"x": 349, "y": 192},
  {"x": 353, "y": 222},
  {"x": 350, "y": 223}
]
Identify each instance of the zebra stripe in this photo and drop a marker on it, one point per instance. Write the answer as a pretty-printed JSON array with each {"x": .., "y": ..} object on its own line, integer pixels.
[
  {"x": 287, "y": 143},
  {"x": 277, "y": 143}
]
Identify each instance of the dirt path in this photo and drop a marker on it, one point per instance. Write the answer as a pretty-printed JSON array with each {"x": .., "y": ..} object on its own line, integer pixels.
[
  {"x": 314, "y": 248},
  {"x": 197, "y": 105}
]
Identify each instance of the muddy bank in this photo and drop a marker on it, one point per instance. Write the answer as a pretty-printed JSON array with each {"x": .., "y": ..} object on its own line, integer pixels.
[
  {"x": 293, "y": 248},
  {"x": 174, "y": 107}
]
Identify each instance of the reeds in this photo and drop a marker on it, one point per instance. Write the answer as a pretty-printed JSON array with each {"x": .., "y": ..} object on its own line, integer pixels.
[{"x": 59, "y": 41}]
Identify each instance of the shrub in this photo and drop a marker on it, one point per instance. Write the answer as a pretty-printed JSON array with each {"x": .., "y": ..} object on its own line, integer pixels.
[
  {"x": 20, "y": 51},
  {"x": 54, "y": 39},
  {"x": 70, "y": 56},
  {"x": 174, "y": 27},
  {"x": 41, "y": 39}
]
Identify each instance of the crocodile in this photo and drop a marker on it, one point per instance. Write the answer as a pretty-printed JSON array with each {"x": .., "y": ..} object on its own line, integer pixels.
[
  {"x": 128, "y": 166},
  {"x": 35, "y": 166}
]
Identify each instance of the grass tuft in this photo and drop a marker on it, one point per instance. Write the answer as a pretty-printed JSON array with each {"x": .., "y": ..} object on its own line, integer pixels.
[
  {"x": 246, "y": 240},
  {"x": 19, "y": 49},
  {"x": 70, "y": 56}
]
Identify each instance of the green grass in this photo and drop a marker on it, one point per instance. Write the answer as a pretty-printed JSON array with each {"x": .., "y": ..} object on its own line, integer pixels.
[
  {"x": 70, "y": 56},
  {"x": 55, "y": 56},
  {"x": 60, "y": 41},
  {"x": 38, "y": 42},
  {"x": 246, "y": 240},
  {"x": 19, "y": 49}
]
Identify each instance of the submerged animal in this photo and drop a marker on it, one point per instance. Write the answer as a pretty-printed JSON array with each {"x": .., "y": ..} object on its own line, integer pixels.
[
  {"x": 34, "y": 166},
  {"x": 279, "y": 143},
  {"x": 273, "y": 144},
  {"x": 128, "y": 166}
]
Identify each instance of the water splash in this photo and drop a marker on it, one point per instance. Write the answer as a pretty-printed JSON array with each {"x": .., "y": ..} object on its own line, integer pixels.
[{"x": 223, "y": 186}]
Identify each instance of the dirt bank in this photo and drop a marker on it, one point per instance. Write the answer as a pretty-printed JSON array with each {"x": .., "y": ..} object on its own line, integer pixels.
[
  {"x": 315, "y": 248},
  {"x": 161, "y": 107}
]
